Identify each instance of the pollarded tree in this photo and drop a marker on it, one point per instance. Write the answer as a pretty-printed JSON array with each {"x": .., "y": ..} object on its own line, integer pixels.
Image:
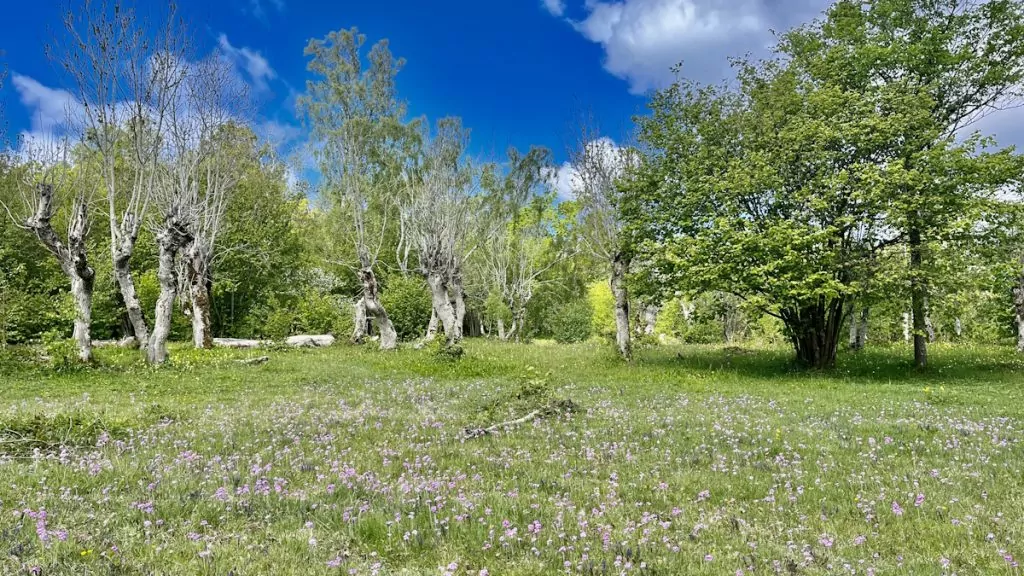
[
  {"x": 202, "y": 158},
  {"x": 127, "y": 74},
  {"x": 961, "y": 60},
  {"x": 439, "y": 221},
  {"x": 768, "y": 192},
  {"x": 361, "y": 146},
  {"x": 52, "y": 181}
]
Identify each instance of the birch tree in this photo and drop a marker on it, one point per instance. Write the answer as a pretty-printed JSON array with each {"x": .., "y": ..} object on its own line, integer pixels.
[
  {"x": 361, "y": 148},
  {"x": 126, "y": 74},
  {"x": 52, "y": 182},
  {"x": 520, "y": 248},
  {"x": 597, "y": 165}
]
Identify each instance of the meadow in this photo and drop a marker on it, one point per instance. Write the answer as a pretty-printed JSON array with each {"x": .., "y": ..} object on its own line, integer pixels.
[{"x": 345, "y": 460}]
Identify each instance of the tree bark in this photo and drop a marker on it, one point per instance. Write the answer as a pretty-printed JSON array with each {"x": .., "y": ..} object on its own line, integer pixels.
[
  {"x": 853, "y": 327},
  {"x": 1018, "y": 305},
  {"x": 620, "y": 267},
  {"x": 431, "y": 326},
  {"x": 815, "y": 332},
  {"x": 374, "y": 309},
  {"x": 442, "y": 305},
  {"x": 359, "y": 322},
  {"x": 501, "y": 329},
  {"x": 929, "y": 328},
  {"x": 170, "y": 241},
  {"x": 918, "y": 299},
  {"x": 650, "y": 318},
  {"x": 126, "y": 284},
  {"x": 198, "y": 271},
  {"x": 73, "y": 260},
  {"x": 458, "y": 299},
  {"x": 862, "y": 328}
]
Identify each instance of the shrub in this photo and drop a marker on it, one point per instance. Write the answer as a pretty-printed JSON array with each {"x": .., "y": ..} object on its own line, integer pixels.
[
  {"x": 407, "y": 300},
  {"x": 602, "y": 306},
  {"x": 571, "y": 323}
]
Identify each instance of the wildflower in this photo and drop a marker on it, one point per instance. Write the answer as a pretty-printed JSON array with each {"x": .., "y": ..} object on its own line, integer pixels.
[
  {"x": 708, "y": 557},
  {"x": 919, "y": 500},
  {"x": 826, "y": 541},
  {"x": 896, "y": 509}
]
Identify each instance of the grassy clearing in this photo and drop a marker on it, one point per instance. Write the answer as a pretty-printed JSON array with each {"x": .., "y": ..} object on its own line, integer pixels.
[{"x": 694, "y": 460}]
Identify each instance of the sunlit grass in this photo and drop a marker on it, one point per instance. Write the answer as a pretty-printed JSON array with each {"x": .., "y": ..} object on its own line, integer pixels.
[{"x": 691, "y": 460}]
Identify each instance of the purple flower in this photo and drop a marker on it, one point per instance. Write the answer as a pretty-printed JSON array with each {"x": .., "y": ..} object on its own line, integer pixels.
[
  {"x": 896, "y": 508},
  {"x": 919, "y": 500}
]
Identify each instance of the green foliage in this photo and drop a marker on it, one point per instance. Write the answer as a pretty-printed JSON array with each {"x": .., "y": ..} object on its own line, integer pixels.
[
  {"x": 407, "y": 300},
  {"x": 571, "y": 322},
  {"x": 602, "y": 305}
]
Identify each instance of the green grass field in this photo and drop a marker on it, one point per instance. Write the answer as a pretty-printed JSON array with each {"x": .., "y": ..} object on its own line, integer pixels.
[{"x": 692, "y": 460}]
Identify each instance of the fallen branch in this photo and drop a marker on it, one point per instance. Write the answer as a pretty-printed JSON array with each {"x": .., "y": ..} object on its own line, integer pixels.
[
  {"x": 254, "y": 361},
  {"x": 558, "y": 407}
]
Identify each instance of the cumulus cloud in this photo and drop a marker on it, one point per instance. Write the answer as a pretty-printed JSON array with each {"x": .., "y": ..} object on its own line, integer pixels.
[
  {"x": 644, "y": 39},
  {"x": 602, "y": 155},
  {"x": 251, "y": 61}
]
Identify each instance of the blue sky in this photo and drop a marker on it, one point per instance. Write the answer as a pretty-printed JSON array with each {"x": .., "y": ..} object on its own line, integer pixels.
[{"x": 517, "y": 71}]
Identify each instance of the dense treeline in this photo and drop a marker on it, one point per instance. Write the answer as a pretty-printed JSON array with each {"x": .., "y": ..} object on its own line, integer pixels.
[{"x": 834, "y": 194}]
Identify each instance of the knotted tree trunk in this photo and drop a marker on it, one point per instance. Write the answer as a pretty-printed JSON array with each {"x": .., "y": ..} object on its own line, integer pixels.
[
  {"x": 372, "y": 307},
  {"x": 73, "y": 259},
  {"x": 443, "y": 307},
  {"x": 620, "y": 267},
  {"x": 122, "y": 255},
  {"x": 170, "y": 241},
  {"x": 199, "y": 284}
]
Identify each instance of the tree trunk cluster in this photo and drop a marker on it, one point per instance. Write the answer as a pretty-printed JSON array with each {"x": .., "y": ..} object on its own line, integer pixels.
[
  {"x": 369, "y": 306},
  {"x": 170, "y": 240}
]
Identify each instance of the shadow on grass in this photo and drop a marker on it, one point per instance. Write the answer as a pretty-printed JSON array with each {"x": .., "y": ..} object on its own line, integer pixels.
[{"x": 948, "y": 364}]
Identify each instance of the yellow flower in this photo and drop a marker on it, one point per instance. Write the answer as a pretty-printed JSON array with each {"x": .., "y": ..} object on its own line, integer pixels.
[{"x": 86, "y": 552}]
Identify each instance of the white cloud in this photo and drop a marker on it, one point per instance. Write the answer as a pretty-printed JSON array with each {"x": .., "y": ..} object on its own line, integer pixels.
[
  {"x": 555, "y": 7},
  {"x": 280, "y": 135},
  {"x": 50, "y": 108},
  {"x": 254, "y": 64},
  {"x": 565, "y": 180},
  {"x": 603, "y": 154},
  {"x": 644, "y": 39}
]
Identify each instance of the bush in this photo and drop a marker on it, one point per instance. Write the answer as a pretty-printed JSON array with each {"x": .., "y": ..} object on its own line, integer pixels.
[
  {"x": 408, "y": 303},
  {"x": 571, "y": 323},
  {"x": 602, "y": 306}
]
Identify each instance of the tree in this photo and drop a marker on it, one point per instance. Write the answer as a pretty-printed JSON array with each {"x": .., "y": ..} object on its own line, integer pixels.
[
  {"x": 439, "y": 220},
  {"x": 961, "y": 60},
  {"x": 767, "y": 192},
  {"x": 520, "y": 248},
  {"x": 361, "y": 146},
  {"x": 232, "y": 152},
  {"x": 51, "y": 181},
  {"x": 200, "y": 167},
  {"x": 126, "y": 74},
  {"x": 598, "y": 165}
]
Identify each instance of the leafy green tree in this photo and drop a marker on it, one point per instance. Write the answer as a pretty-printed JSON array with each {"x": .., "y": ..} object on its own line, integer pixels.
[{"x": 955, "y": 61}]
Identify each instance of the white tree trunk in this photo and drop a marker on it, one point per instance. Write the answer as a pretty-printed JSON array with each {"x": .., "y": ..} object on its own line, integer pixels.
[
  {"x": 81, "y": 289},
  {"x": 906, "y": 326},
  {"x": 442, "y": 306},
  {"x": 198, "y": 271},
  {"x": 958, "y": 327},
  {"x": 501, "y": 329},
  {"x": 431, "y": 326},
  {"x": 126, "y": 284},
  {"x": 359, "y": 322},
  {"x": 73, "y": 259},
  {"x": 853, "y": 327},
  {"x": 371, "y": 302},
  {"x": 650, "y": 318},
  {"x": 861, "y": 334},
  {"x": 170, "y": 241},
  {"x": 620, "y": 267},
  {"x": 458, "y": 300}
]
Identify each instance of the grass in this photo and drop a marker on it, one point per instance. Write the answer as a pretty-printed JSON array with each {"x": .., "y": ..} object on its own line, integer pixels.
[{"x": 691, "y": 460}]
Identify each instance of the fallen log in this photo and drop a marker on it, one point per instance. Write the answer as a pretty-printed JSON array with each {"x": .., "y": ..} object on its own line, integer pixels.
[
  {"x": 237, "y": 343},
  {"x": 310, "y": 340},
  {"x": 554, "y": 408}
]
